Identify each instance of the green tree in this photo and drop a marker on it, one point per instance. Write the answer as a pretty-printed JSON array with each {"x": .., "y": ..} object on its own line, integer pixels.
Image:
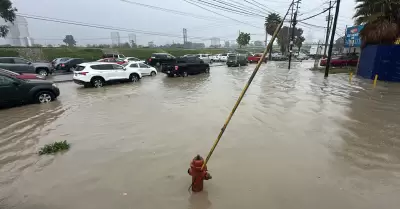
[
  {"x": 381, "y": 19},
  {"x": 7, "y": 12},
  {"x": 133, "y": 44},
  {"x": 125, "y": 45},
  {"x": 69, "y": 40},
  {"x": 298, "y": 42},
  {"x": 243, "y": 39},
  {"x": 284, "y": 36},
  {"x": 272, "y": 22},
  {"x": 339, "y": 44}
]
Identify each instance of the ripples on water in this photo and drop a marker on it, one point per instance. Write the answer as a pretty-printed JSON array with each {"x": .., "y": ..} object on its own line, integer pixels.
[{"x": 298, "y": 140}]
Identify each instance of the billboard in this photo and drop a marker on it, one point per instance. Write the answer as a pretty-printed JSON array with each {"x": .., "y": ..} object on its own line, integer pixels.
[{"x": 352, "y": 38}]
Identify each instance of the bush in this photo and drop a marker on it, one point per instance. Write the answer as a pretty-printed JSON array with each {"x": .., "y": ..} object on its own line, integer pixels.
[
  {"x": 54, "y": 147},
  {"x": 86, "y": 54}
]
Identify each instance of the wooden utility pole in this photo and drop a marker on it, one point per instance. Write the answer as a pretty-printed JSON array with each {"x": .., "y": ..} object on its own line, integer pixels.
[
  {"x": 293, "y": 31},
  {"x": 328, "y": 62},
  {"x": 328, "y": 28}
]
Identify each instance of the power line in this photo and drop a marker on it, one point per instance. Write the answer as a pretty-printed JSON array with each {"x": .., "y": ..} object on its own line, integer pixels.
[
  {"x": 261, "y": 5},
  {"x": 191, "y": 2},
  {"x": 50, "y": 19},
  {"x": 170, "y": 10},
  {"x": 312, "y": 10},
  {"x": 234, "y": 9},
  {"x": 318, "y": 13}
]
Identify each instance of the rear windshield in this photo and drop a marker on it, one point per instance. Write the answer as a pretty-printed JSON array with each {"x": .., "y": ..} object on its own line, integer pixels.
[
  {"x": 223, "y": 54},
  {"x": 79, "y": 68}
]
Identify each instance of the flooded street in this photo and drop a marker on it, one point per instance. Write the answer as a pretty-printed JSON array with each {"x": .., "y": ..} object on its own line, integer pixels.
[{"x": 297, "y": 141}]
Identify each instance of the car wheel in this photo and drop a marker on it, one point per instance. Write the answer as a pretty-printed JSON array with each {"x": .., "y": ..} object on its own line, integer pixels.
[
  {"x": 153, "y": 73},
  {"x": 44, "y": 97},
  {"x": 134, "y": 78},
  {"x": 42, "y": 72},
  {"x": 184, "y": 74},
  {"x": 207, "y": 70},
  {"x": 97, "y": 82}
]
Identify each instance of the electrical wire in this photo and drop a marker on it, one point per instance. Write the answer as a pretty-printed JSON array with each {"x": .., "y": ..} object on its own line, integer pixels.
[
  {"x": 50, "y": 19},
  {"x": 193, "y": 3},
  {"x": 233, "y": 9}
]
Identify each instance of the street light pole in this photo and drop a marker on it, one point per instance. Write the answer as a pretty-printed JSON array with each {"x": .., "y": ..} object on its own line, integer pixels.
[{"x": 328, "y": 62}]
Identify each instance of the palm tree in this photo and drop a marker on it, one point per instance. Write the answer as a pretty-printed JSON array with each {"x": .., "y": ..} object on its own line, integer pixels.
[
  {"x": 381, "y": 19},
  {"x": 272, "y": 22}
]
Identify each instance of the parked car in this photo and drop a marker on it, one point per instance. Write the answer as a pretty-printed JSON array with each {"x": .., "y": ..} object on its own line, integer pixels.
[
  {"x": 157, "y": 59},
  {"x": 216, "y": 58},
  {"x": 205, "y": 57},
  {"x": 223, "y": 57},
  {"x": 141, "y": 67},
  {"x": 20, "y": 65},
  {"x": 255, "y": 58},
  {"x": 113, "y": 60},
  {"x": 133, "y": 59},
  {"x": 69, "y": 65},
  {"x": 185, "y": 66},
  {"x": 113, "y": 55},
  {"x": 14, "y": 91},
  {"x": 57, "y": 61},
  {"x": 236, "y": 60},
  {"x": 22, "y": 75},
  {"x": 97, "y": 74},
  {"x": 341, "y": 61}
]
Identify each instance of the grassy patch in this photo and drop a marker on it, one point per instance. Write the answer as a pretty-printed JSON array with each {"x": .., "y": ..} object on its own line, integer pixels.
[
  {"x": 54, "y": 148},
  {"x": 87, "y": 54}
]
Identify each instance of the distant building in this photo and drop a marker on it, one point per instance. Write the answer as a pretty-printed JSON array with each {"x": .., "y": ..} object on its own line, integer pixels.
[
  {"x": 227, "y": 44},
  {"x": 132, "y": 38},
  {"x": 115, "y": 39},
  {"x": 151, "y": 44},
  {"x": 215, "y": 42},
  {"x": 18, "y": 34}
]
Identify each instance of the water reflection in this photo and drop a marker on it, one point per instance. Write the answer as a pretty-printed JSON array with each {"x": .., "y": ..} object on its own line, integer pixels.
[{"x": 199, "y": 200}]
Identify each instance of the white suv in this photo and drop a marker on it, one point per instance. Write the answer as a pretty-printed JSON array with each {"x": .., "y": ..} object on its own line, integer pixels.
[
  {"x": 205, "y": 57},
  {"x": 96, "y": 74}
]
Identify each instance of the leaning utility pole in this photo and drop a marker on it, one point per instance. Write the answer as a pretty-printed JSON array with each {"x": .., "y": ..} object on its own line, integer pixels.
[
  {"x": 328, "y": 28},
  {"x": 293, "y": 31},
  {"x": 328, "y": 62}
]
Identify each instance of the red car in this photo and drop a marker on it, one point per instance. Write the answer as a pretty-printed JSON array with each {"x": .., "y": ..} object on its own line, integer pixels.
[
  {"x": 25, "y": 76},
  {"x": 254, "y": 58},
  {"x": 341, "y": 61},
  {"x": 113, "y": 60}
]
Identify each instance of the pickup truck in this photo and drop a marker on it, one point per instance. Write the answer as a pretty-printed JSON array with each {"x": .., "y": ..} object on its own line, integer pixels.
[
  {"x": 20, "y": 65},
  {"x": 255, "y": 58},
  {"x": 341, "y": 61},
  {"x": 184, "y": 66}
]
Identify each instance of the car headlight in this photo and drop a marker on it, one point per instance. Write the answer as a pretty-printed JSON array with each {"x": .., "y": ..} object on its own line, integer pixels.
[{"x": 54, "y": 85}]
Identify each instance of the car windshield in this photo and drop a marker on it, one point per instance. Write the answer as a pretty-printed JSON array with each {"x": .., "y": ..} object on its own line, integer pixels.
[
  {"x": 232, "y": 57},
  {"x": 223, "y": 54},
  {"x": 122, "y": 56},
  {"x": 119, "y": 60}
]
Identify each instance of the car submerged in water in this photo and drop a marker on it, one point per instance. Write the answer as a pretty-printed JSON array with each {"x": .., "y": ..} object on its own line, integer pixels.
[
  {"x": 235, "y": 60},
  {"x": 184, "y": 66}
]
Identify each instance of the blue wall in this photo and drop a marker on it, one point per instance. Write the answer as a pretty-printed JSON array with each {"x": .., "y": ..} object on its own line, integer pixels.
[{"x": 383, "y": 60}]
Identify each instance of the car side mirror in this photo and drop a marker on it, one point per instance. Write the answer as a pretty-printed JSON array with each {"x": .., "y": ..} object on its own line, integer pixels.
[{"x": 124, "y": 68}]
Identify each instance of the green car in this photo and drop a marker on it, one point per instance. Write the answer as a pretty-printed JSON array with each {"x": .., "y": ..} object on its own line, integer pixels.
[{"x": 235, "y": 60}]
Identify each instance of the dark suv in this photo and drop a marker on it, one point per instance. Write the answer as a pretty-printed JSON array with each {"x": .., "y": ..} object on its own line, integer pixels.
[
  {"x": 184, "y": 66},
  {"x": 15, "y": 91},
  {"x": 157, "y": 59},
  {"x": 69, "y": 65}
]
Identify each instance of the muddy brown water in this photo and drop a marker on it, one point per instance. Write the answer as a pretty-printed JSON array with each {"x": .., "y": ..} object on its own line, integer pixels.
[{"x": 297, "y": 141}]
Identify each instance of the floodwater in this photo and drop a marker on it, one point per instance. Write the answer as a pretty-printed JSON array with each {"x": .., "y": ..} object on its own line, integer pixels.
[{"x": 297, "y": 141}]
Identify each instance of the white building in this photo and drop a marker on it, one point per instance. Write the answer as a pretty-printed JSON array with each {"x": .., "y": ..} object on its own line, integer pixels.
[
  {"x": 115, "y": 39},
  {"x": 18, "y": 34},
  {"x": 132, "y": 37},
  {"x": 215, "y": 42}
]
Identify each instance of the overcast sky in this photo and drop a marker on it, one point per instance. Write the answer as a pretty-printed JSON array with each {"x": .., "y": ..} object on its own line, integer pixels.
[{"x": 116, "y": 13}]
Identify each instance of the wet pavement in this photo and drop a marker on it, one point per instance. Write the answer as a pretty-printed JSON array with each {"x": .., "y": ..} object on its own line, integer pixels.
[{"x": 297, "y": 141}]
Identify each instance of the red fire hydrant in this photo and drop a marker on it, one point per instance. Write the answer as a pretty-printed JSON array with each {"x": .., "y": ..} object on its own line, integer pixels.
[{"x": 198, "y": 174}]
